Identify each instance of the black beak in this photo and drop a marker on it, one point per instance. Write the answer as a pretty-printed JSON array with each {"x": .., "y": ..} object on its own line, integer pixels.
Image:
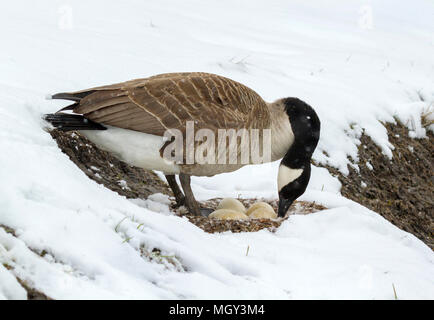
[{"x": 284, "y": 205}]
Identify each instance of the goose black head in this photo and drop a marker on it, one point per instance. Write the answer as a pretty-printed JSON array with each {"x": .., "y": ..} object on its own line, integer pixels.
[{"x": 294, "y": 169}]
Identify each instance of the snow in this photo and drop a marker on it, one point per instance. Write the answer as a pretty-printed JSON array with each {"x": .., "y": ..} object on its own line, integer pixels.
[
  {"x": 355, "y": 62},
  {"x": 10, "y": 288},
  {"x": 123, "y": 184}
]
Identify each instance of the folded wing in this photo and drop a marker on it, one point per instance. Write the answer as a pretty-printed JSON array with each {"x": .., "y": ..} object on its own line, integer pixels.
[{"x": 156, "y": 104}]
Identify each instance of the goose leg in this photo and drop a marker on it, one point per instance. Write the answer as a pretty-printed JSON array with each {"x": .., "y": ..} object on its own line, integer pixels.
[
  {"x": 179, "y": 196},
  {"x": 190, "y": 201}
]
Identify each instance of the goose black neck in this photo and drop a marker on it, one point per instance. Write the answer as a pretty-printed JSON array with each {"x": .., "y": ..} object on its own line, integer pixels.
[
  {"x": 305, "y": 126},
  {"x": 298, "y": 156}
]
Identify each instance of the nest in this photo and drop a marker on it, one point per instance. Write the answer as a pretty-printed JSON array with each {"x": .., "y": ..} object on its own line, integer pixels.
[{"x": 211, "y": 225}]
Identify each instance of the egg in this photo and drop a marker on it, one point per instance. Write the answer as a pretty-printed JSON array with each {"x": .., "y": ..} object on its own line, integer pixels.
[
  {"x": 265, "y": 206},
  {"x": 227, "y": 214},
  {"x": 262, "y": 213},
  {"x": 231, "y": 204}
]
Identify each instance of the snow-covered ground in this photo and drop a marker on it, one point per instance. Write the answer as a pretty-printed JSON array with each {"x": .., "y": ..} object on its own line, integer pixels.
[{"x": 355, "y": 62}]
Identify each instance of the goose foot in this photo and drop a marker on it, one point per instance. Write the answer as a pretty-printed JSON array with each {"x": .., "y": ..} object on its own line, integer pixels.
[{"x": 205, "y": 212}]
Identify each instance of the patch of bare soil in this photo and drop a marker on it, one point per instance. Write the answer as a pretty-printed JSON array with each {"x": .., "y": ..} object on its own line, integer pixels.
[{"x": 401, "y": 189}]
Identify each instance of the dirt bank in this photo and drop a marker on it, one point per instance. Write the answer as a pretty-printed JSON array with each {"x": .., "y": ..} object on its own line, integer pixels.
[{"x": 401, "y": 189}]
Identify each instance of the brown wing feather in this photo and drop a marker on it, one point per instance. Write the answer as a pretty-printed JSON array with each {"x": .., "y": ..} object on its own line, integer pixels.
[{"x": 167, "y": 101}]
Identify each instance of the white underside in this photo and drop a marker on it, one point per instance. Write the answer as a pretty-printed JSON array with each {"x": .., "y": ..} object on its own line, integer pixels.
[
  {"x": 287, "y": 175},
  {"x": 135, "y": 148}
]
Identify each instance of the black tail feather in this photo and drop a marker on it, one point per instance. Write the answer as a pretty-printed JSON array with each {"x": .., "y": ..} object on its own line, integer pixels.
[
  {"x": 69, "y": 107},
  {"x": 70, "y": 122},
  {"x": 71, "y": 96}
]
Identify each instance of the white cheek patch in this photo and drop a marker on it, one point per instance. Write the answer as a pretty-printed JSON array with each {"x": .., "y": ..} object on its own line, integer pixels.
[{"x": 287, "y": 175}]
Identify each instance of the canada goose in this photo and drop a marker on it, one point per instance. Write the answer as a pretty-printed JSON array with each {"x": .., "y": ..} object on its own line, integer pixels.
[
  {"x": 228, "y": 214},
  {"x": 129, "y": 119},
  {"x": 232, "y": 204},
  {"x": 265, "y": 206}
]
